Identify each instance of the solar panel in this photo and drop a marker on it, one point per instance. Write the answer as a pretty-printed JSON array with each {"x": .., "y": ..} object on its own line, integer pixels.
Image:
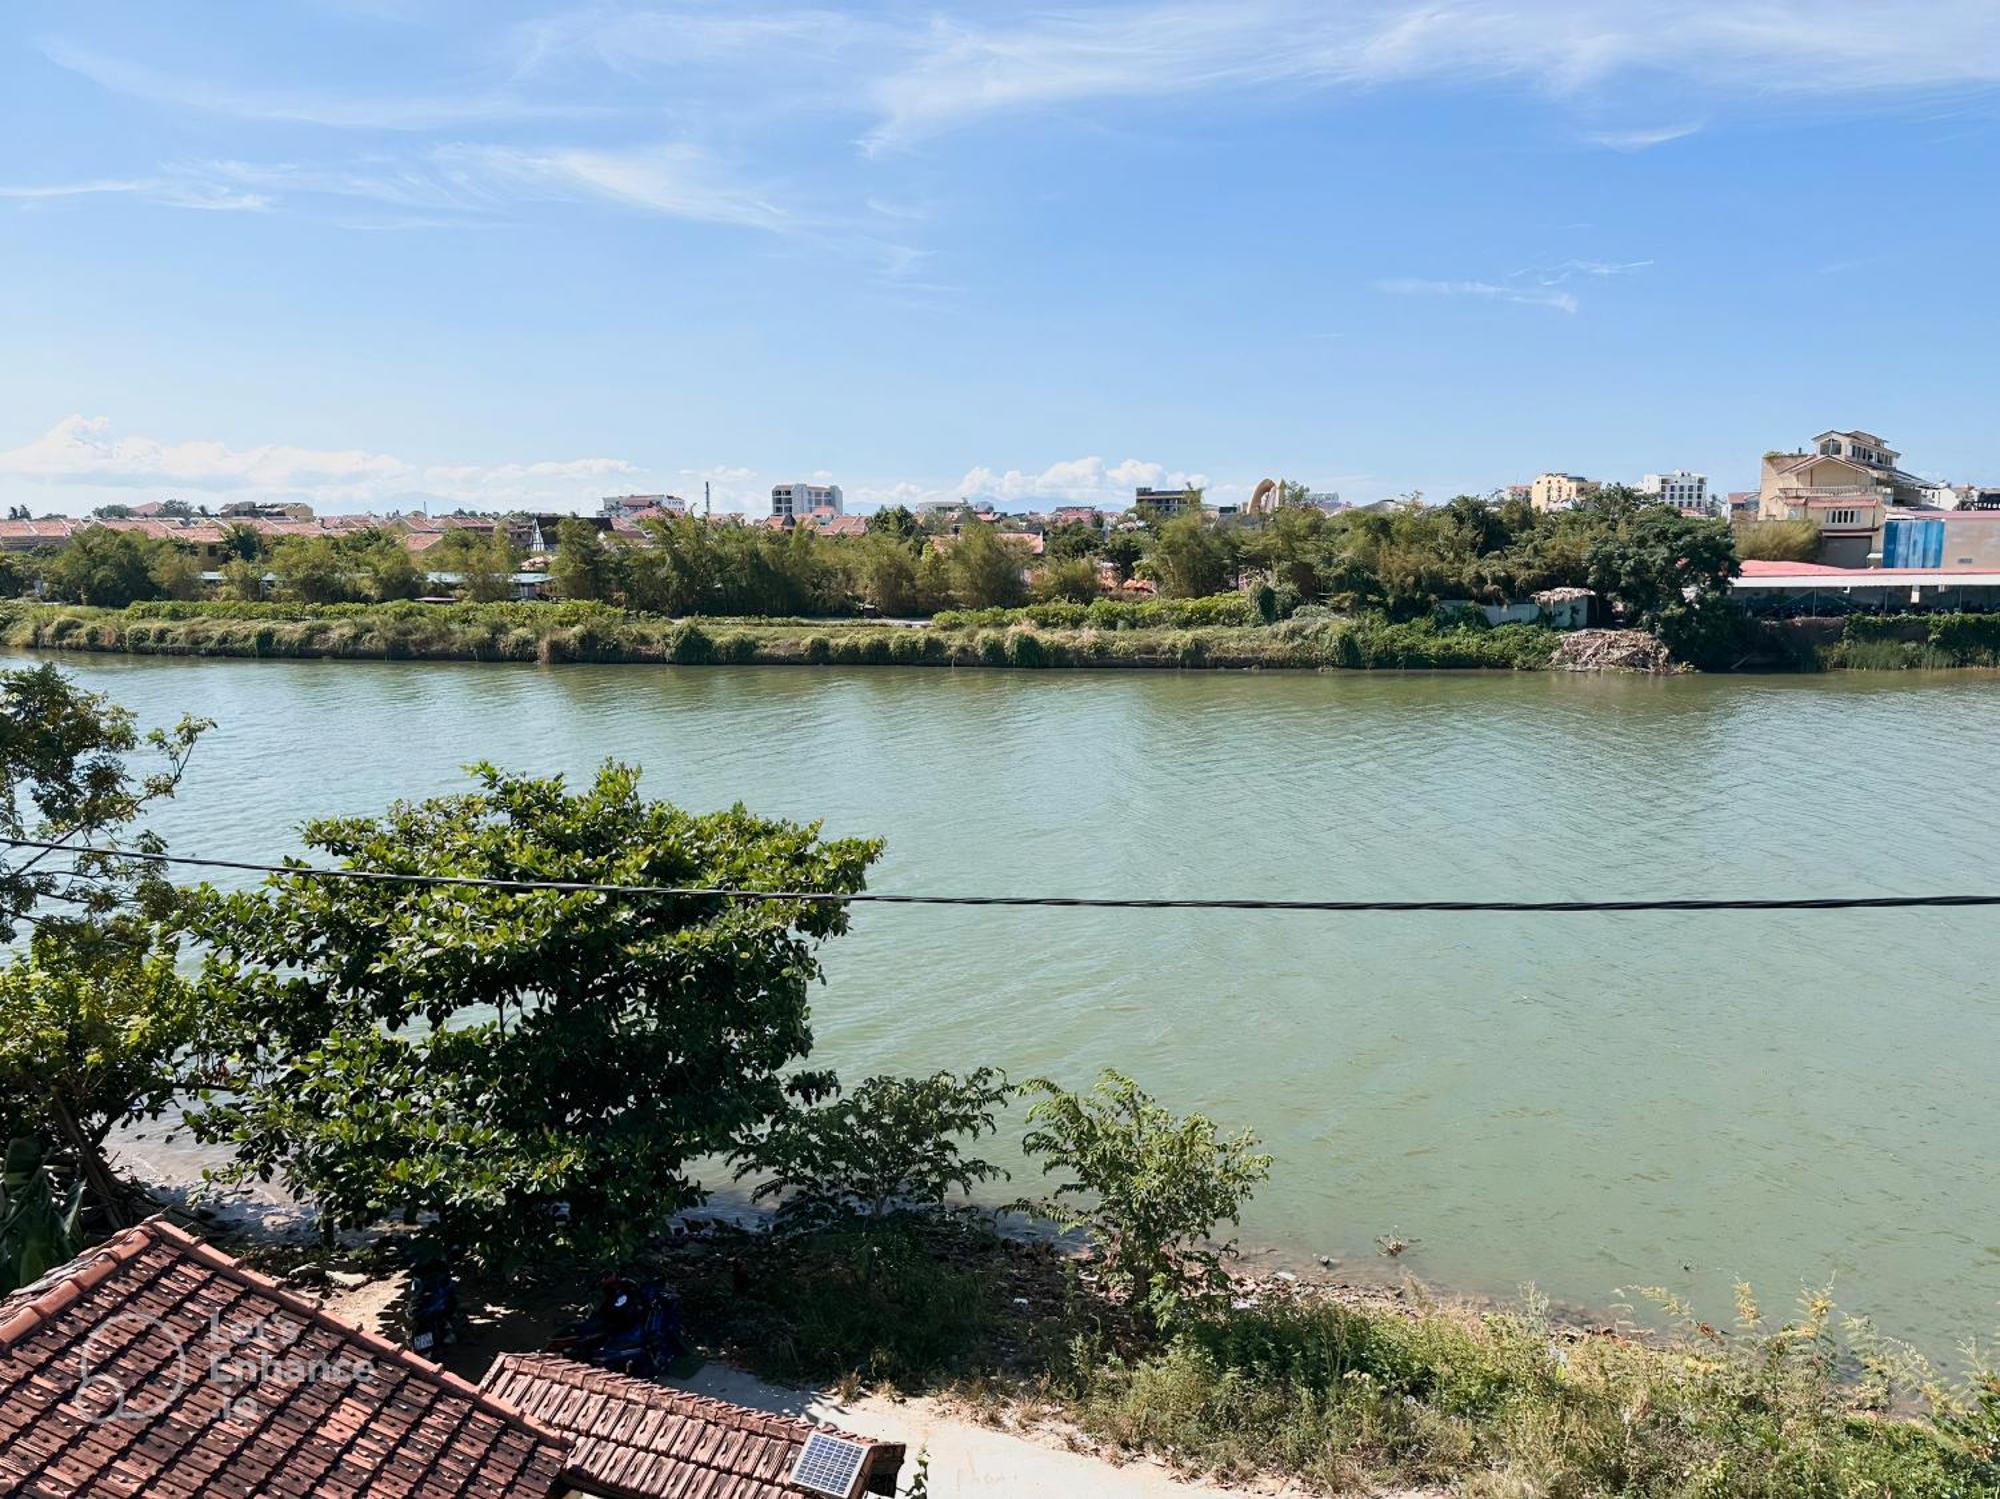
[{"x": 830, "y": 1465}]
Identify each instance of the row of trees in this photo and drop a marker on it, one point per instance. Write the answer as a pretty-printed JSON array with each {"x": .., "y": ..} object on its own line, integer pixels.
[
  {"x": 536, "y": 1071},
  {"x": 688, "y": 566},
  {"x": 1667, "y": 571},
  {"x": 111, "y": 568}
]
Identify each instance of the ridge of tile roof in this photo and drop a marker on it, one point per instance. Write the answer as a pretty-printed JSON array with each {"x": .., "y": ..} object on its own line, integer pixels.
[{"x": 642, "y": 1438}]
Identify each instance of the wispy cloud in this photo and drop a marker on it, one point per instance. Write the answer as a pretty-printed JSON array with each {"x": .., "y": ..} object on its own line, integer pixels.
[
  {"x": 84, "y": 452},
  {"x": 1644, "y": 139},
  {"x": 676, "y": 180},
  {"x": 960, "y": 70},
  {"x": 448, "y": 185},
  {"x": 1491, "y": 291},
  {"x": 356, "y": 111},
  {"x": 176, "y": 191}
]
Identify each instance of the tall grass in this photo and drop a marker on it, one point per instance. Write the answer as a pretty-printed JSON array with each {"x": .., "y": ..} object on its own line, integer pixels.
[{"x": 1340, "y": 1397}]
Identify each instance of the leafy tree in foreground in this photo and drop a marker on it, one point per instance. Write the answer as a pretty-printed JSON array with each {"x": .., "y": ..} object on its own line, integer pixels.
[
  {"x": 891, "y": 1145},
  {"x": 93, "y": 1030},
  {"x": 538, "y": 1068},
  {"x": 1147, "y": 1186},
  {"x": 64, "y": 780}
]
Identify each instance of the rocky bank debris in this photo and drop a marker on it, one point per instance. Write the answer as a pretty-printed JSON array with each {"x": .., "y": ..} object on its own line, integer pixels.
[{"x": 1612, "y": 650}]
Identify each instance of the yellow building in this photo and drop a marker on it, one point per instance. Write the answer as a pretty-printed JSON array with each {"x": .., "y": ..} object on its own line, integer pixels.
[{"x": 1560, "y": 491}]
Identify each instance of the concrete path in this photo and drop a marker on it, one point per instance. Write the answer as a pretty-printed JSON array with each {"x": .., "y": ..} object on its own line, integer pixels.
[{"x": 966, "y": 1459}]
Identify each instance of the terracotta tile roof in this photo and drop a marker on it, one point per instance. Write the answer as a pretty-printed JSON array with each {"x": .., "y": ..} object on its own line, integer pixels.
[
  {"x": 646, "y": 1439},
  {"x": 116, "y": 1379}
]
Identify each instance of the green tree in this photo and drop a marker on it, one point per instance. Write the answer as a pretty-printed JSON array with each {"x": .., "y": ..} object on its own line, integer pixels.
[
  {"x": 104, "y": 567},
  {"x": 487, "y": 574},
  {"x": 39, "y": 1226},
  {"x": 1671, "y": 574},
  {"x": 391, "y": 571},
  {"x": 582, "y": 567},
  {"x": 1072, "y": 580},
  {"x": 1148, "y": 1187},
  {"x": 1072, "y": 539},
  {"x": 1778, "y": 541},
  {"x": 314, "y": 570},
  {"x": 66, "y": 780},
  {"x": 1191, "y": 559},
  {"x": 538, "y": 1069},
  {"x": 892, "y": 1145},
  {"x": 1124, "y": 551},
  {"x": 94, "y": 1025},
  {"x": 242, "y": 580},
  {"x": 896, "y": 521},
  {"x": 987, "y": 568},
  {"x": 176, "y": 573},
  {"x": 241, "y": 539},
  {"x": 888, "y": 576}
]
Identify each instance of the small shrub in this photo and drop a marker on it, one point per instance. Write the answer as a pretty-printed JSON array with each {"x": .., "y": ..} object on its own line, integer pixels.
[
  {"x": 1149, "y": 1187},
  {"x": 892, "y": 1145},
  {"x": 690, "y": 645}
]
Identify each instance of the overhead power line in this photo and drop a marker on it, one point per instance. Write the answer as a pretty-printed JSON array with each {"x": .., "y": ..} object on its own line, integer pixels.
[{"x": 1088, "y": 902}]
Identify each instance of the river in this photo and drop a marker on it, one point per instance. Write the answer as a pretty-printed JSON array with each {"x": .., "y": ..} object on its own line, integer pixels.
[{"x": 1584, "y": 1102}]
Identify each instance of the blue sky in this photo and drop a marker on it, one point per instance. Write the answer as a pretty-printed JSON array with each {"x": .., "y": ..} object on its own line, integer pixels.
[{"x": 375, "y": 253}]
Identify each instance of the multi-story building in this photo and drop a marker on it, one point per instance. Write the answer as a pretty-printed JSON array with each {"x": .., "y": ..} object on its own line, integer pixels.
[
  {"x": 797, "y": 501},
  {"x": 1845, "y": 484},
  {"x": 632, "y": 506},
  {"x": 1682, "y": 489},
  {"x": 1165, "y": 503},
  {"x": 1560, "y": 491}
]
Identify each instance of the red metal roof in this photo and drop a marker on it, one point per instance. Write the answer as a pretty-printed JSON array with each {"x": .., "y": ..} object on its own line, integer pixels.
[
  {"x": 1863, "y": 575},
  {"x": 643, "y": 1438},
  {"x": 158, "y": 1365}
]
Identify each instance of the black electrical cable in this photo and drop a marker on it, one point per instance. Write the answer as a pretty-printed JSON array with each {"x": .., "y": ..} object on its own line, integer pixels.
[{"x": 1093, "y": 902}]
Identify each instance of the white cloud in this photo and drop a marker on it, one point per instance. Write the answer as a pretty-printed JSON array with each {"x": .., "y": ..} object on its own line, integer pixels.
[
  {"x": 389, "y": 112},
  {"x": 1410, "y": 286},
  {"x": 176, "y": 191},
  {"x": 1080, "y": 481},
  {"x": 83, "y": 452},
  {"x": 1641, "y": 140},
  {"x": 674, "y": 179},
  {"x": 960, "y": 70}
]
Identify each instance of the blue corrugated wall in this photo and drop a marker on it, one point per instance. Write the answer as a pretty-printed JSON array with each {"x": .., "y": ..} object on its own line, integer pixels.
[{"x": 1913, "y": 543}]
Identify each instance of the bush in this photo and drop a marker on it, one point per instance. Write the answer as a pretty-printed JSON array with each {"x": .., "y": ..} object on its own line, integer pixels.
[
  {"x": 1152, "y": 1187},
  {"x": 891, "y": 1146},
  {"x": 1222, "y": 609},
  {"x": 690, "y": 645}
]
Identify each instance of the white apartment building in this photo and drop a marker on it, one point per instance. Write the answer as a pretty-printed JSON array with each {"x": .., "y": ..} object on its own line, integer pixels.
[
  {"x": 1688, "y": 491},
  {"x": 797, "y": 501}
]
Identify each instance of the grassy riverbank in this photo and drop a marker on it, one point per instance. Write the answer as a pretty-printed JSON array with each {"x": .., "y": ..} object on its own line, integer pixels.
[
  {"x": 1338, "y": 1389},
  {"x": 1221, "y": 633},
  {"x": 1059, "y": 636}
]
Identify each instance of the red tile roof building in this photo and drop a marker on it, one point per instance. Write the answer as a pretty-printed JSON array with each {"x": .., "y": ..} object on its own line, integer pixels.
[
  {"x": 638, "y": 1438},
  {"x": 156, "y": 1365}
]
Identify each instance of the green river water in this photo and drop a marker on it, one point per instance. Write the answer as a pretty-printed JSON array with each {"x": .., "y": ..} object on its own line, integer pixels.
[{"x": 1584, "y": 1102}]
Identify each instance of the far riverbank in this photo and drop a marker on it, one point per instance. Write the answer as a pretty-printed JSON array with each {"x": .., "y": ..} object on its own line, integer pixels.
[{"x": 1190, "y": 636}]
